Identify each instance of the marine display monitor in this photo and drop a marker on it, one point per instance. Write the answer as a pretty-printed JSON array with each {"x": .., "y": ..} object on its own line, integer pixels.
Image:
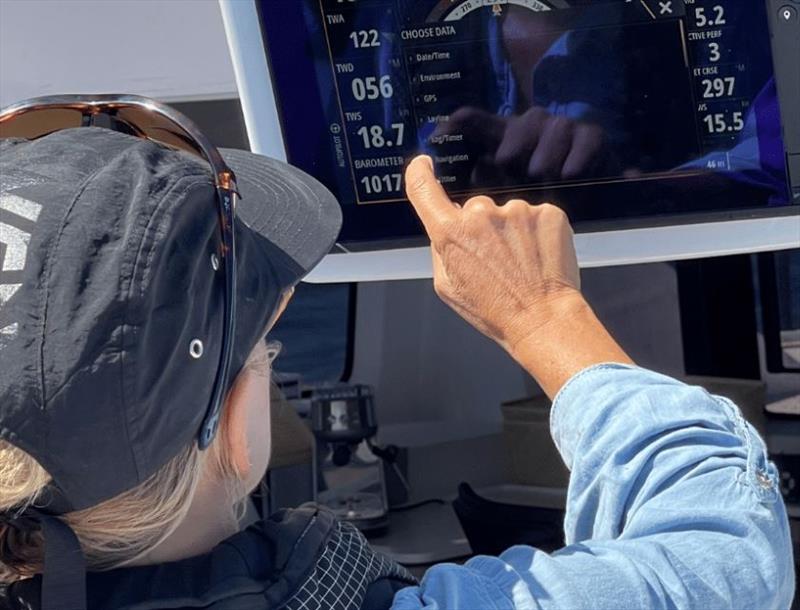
[{"x": 666, "y": 129}]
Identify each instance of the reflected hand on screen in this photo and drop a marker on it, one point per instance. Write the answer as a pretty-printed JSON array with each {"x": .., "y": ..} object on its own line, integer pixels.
[{"x": 535, "y": 145}]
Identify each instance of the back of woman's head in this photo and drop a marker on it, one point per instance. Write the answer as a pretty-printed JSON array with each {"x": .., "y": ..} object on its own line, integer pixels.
[
  {"x": 117, "y": 532},
  {"x": 111, "y": 534},
  {"x": 126, "y": 528},
  {"x": 129, "y": 314}
]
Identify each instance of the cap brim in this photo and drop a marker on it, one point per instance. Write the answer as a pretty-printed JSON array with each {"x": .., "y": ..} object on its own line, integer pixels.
[{"x": 286, "y": 206}]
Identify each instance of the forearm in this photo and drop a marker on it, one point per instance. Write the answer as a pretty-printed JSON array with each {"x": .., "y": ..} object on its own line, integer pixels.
[
  {"x": 672, "y": 504},
  {"x": 561, "y": 338},
  {"x": 673, "y": 483}
]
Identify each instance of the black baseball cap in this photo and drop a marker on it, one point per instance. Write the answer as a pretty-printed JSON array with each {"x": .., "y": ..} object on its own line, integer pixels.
[{"x": 111, "y": 301}]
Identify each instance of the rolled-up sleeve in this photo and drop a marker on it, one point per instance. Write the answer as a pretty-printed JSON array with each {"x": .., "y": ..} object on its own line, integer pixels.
[{"x": 672, "y": 503}]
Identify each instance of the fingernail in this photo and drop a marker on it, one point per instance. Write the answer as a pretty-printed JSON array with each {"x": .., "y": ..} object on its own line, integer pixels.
[{"x": 429, "y": 161}]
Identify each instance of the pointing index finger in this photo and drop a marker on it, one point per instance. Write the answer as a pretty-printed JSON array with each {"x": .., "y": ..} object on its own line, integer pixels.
[{"x": 426, "y": 194}]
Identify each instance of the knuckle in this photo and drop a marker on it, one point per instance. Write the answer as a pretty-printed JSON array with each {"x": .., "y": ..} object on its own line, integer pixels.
[
  {"x": 552, "y": 212},
  {"x": 517, "y": 207},
  {"x": 538, "y": 113},
  {"x": 464, "y": 114},
  {"x": 565, "y": 121},
  {"x": 460, "y": 114},
  {"x": 480, "y": 204}
]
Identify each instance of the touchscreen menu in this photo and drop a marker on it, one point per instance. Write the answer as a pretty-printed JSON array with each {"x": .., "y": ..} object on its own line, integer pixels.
[{"x": 609, "y": 108}]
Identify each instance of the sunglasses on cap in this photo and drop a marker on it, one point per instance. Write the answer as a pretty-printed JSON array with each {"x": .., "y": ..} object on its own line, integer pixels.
[{"x": 151, "y": 120}]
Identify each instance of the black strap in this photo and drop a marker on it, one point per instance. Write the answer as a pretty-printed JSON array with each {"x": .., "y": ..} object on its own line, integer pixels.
[{"x": 64, "y": 578}]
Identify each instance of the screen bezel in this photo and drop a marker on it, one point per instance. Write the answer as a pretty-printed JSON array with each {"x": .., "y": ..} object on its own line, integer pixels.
[{"x": 603, "y": 243}]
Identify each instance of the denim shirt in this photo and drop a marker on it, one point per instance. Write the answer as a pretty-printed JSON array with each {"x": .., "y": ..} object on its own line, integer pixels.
[{"x": 671, "y": 504}]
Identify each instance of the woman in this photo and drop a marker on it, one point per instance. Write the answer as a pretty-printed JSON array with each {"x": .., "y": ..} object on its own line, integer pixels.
[
  {"x": 114, "y": 306},
  {"x": 672, "y": 501}
]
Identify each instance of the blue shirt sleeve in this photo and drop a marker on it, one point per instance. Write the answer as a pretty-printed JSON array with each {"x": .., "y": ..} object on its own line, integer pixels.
[{"x": 672, "y": 503}]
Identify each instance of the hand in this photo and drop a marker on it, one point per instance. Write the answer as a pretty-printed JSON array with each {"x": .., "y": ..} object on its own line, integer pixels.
[
  {"x": 512, "y": 273},
  {"x": 503, "y": 269},
  {"x": 536, "y": 145}
]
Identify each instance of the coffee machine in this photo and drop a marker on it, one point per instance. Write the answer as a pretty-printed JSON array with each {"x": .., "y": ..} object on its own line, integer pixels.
[{"x": 348, "y": 473}]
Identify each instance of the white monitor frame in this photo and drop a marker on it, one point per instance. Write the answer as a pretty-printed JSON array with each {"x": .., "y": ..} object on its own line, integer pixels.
[{"x": 601, "y": 249}]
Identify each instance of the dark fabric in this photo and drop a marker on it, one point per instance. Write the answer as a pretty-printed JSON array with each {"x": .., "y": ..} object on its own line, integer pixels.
[
  {"x": 492, "y": 527},
  {"x": 64, "y": 582},
  {"x": 301, "y": 558},
  {"x": 105, "y": 281},
  {"x": 380, "y": 593}
]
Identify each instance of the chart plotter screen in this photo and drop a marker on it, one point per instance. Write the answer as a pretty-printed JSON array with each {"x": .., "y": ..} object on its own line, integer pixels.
[{"x": 614, "y": 110}]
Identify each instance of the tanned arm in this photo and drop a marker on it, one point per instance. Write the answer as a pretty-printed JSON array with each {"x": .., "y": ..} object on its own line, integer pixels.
[{"x": 511, "y": 271}]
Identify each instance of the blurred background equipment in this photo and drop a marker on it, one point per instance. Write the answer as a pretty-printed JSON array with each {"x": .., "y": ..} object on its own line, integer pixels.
[{"x": 348, "y": 475}]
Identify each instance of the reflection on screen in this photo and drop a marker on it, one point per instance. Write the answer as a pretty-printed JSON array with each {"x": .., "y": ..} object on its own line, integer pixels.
[{"x": 655, "y": 102}]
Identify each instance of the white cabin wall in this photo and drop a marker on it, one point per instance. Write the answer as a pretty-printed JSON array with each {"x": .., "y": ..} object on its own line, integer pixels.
[
  {"x": 169, "y": 50},
  {"x": 641, "y": 308},
  {"x": 427, "y": 365}
]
